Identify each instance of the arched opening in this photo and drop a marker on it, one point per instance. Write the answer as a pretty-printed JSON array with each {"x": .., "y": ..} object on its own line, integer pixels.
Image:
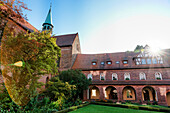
[
  {"x": 111, "y": 93},
  {"x": 47, "y": 79},
  {"x": 148, "y": 94},
  {"x": 94, "y": 93},
  {"x": 129, "y": 93},
  {"x": 168, "y": 98}
]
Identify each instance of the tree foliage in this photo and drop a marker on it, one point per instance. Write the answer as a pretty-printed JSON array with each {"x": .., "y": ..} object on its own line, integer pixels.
[
  {"x": 77, "y": 78},
  {"x": 138, "y": 48},
  {"x": 38, "y": 51},
  {"x": 11, "y": 9},
  {"x": 56, "y": 89}
]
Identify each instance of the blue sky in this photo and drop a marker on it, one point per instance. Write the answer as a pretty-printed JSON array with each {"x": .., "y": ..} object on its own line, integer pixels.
[{"x": 106, "y": 26}]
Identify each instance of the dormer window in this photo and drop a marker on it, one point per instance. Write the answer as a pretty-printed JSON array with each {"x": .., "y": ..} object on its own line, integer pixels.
[
  {"x": 125, "y": 61},
  {"x": 147, "y": 57},
  {"x": 94, "y": 63},
  {"x": 117, "y": 62},
  {"x": 109, "y": 62},
  {"x": 102, "y": 63}
]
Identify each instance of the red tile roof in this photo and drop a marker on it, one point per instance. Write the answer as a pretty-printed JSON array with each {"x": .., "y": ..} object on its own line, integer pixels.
[
  {"x": 84, "y": 61},
  {"x": 65, "y": 40},
  {"x": 24, "y": 24}
]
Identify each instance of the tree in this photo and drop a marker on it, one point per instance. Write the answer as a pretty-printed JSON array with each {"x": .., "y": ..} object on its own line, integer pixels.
[
  {"x": 11, "y": 9},
  {"x": 77, "y": 78},
  {"x": 38, "y": 51},
  {"x": 56, "y": 89},
  {"x": 138, "y": 48}
]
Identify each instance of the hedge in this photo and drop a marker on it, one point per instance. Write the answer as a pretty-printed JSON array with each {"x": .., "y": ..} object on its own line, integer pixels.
[
  {"x": 133, "y": 107},
  {"x": 72, "y": 108}
]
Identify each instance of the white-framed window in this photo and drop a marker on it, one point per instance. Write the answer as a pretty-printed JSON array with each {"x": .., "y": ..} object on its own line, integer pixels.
[
  {"x": 127, "y": 76},
  {"x": 114, "y": 76},
  {"x": 93, "y": 92},
  {"x": 142, "y": 76},
  {"x": 158, "y": 76},
  {"x": 90, "y": 76},
  {"x": 102, "y": 76}
]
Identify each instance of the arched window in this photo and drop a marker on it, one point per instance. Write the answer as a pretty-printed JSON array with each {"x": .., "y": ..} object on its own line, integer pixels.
[
  {"x": 102, "y": 76},
  {"x": 158, "y": 76},
  {"x": 89, "y": 76},
  {"x": 44, "y": 28},
  {"x": 114, "y": 76},
  {"x": 142, "y": 76},
  {"x": 127, "y": 76}
]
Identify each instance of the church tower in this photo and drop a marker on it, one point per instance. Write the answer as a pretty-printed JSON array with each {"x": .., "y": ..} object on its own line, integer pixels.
[{"x": 47, "y": 25}]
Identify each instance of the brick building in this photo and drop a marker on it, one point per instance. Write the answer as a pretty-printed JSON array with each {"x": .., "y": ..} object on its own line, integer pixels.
[
  {"x": 133, "y": 76},
  {"x": 125, "y": 76},
  {"x": 137, "y": 77}
]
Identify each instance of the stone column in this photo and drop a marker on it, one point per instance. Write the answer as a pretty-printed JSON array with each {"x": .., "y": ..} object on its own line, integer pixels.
[
  {"x": 161, "y": 95},
  {"x": 139, "y": 95},
  {"x": 120, "y": 93},
  {"x": 85, "y": 95},
  {"x": 101, "y": 92}
]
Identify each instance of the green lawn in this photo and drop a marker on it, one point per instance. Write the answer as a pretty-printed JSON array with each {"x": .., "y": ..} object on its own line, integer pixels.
[{"x": 108, "y": 109}]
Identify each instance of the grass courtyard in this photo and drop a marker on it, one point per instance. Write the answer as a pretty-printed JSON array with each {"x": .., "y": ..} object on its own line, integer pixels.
[{"x": 108, "y": 109}]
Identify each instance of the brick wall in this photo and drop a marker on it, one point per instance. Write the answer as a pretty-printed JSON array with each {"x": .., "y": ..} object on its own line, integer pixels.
[{"x": 134, "y": 73}]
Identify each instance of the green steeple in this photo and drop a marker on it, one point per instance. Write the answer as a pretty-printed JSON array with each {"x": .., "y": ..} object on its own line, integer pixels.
[{"x": 47, "y": 25}]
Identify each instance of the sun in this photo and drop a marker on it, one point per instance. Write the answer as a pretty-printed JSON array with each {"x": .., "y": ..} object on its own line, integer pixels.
[{"x": 155, "y": 51}]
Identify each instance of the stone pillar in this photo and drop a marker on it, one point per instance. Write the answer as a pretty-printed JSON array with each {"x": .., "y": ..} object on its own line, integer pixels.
[
  {"x": 85, "y": 94},
  {"x": 139, "y": 95},
  {"x": 101, "y": 92},
  {"x": 161, "y": 95},
  {"x": 120, "y": 93}
]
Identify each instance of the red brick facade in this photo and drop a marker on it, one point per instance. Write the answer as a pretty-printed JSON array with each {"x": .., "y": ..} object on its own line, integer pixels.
[{"x": 149, "y": 89}]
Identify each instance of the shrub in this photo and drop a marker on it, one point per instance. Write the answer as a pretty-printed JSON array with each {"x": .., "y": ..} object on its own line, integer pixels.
[
  {"x": 149, "y": 103},
  {"x": 155, "y": 103},
  {"x": 133, "y": 107},
  {"x": 109, "y": 101},
  {"x": 90, "y": 79},
  {"x": 77, "y": 78}
]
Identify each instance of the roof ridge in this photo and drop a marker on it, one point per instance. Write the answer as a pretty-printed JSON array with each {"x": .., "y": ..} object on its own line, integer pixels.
[{"x": 66, "y": 34}]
